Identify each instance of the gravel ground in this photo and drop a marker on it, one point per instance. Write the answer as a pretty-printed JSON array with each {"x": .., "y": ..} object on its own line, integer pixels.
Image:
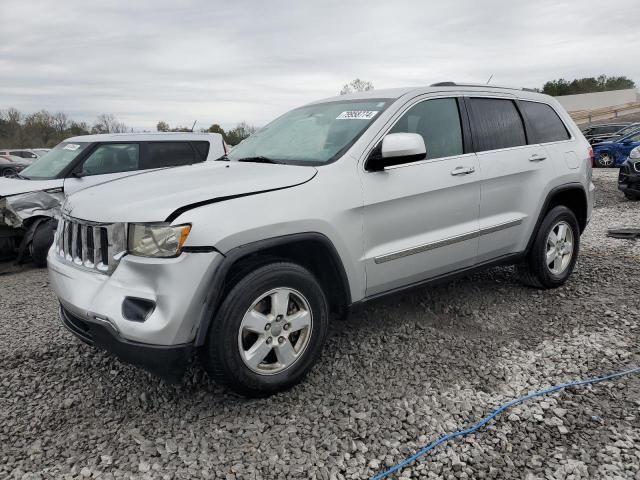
[{"x": 396, "y": 375}]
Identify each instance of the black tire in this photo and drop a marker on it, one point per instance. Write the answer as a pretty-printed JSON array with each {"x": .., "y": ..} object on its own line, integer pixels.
[
  {"x": 605, "y": 160},
  {"x": 41, "y": 242},
  {"x": 9, "y": 172},
  {"x": 534, "y": 271},
  {"x": 222, "y": 357},
  {"x": 632, "y": 196}
]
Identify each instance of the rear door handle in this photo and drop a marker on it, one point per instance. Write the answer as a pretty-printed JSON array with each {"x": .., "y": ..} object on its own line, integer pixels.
[
  {"x": 463, "y": 170},
  {"x": 536, "y": 158}
]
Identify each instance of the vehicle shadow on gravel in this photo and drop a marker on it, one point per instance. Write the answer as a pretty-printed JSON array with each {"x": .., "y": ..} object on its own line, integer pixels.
[{"x": 422, "y": 330}]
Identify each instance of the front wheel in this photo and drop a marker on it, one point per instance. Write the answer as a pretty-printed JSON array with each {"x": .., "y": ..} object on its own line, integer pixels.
[
  {"x": 42, "y": 241},
  {"x": 632, "y": 196},
  {"x": 554, "y": 251},
  {"x": 269, "y": 330}
]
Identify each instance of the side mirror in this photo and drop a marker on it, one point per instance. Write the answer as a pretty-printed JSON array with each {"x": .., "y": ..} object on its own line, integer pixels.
[{"x": 396, "y": 149}]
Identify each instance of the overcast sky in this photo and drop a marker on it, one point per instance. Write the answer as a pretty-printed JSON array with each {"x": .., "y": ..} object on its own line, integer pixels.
[{"x": 225, "y": 62}]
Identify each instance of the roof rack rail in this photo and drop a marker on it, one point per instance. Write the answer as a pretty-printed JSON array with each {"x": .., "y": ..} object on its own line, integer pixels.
[{"x": 454, "y": 84}]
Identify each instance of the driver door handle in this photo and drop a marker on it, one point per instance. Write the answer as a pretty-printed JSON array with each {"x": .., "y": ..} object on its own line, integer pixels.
[
  {"x": 462, "y": 170},
  {"x": 536, "y": 158}
]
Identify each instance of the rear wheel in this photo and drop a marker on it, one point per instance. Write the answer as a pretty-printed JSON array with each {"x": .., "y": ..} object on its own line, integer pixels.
[
  {"x": 605, "y": 160},
  {"x": 554, "y": 251},
  {"x": 42, "y": 241},
  {"x": 269, "y": 330}
]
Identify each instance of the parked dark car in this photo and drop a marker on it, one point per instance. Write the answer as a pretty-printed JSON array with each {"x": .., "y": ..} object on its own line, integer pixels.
[
  {"x": 628, "y": 130},
  {"x": 596, "y": 131},
  {"x": 629, "y": 176},
  {"x": 614, "y": 153}
]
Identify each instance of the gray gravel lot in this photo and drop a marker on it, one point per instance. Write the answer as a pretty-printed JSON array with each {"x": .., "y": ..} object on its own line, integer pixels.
[{"x": 396, "y": 375}]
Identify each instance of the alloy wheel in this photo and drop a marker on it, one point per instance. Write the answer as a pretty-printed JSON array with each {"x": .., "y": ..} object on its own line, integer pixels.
[
  {"x": 605, "y": 160},
  {"x": 559, "y": 248},
  {"x": 275, "y": 331}
]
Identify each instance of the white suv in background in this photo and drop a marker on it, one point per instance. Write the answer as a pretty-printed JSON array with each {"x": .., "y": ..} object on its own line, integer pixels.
[
  {"x": 30, "y": 201},
  {"x": 332, "y": 204}
]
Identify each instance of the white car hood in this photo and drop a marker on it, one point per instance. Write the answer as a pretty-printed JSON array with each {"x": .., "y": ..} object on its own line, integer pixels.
[
  {"x": 16, "y": 186},
  {"x": 161, "y": 195}
]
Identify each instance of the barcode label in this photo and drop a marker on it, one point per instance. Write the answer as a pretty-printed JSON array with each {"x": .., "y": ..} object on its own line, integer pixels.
[{"x": 357, "y": 115}]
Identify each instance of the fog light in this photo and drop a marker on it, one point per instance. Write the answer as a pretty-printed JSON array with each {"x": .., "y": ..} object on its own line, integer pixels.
[{"x": 137, "y": 309}]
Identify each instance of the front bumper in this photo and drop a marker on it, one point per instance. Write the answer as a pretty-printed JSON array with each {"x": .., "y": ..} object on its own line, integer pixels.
[
  {"x": 629, "y": 178},
  {"x": 168, "y": 362},
  {"x": 177, "y": 287}
]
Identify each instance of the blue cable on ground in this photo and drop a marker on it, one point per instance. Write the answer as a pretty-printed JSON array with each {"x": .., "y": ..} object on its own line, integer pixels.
[{"x": 495, "y": 413}]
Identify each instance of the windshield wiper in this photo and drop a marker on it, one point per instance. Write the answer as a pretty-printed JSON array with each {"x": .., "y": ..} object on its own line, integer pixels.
[
  {"x": 223, "y": 158},
  {"x": 259, "y": 159}
]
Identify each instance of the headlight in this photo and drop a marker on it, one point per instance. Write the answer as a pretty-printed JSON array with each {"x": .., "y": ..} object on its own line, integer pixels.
[
  {"x": 635, "y": 153},
  {"x": 157, "y": 239}
]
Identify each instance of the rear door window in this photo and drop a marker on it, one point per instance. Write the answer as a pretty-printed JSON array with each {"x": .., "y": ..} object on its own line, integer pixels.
[
  {"x": 112, "y": 158},
  {"x": 438, "y": 121},
  {"x": 496, "y": 124},
  {"x": 545, "y": 123},
  {"x": 169, "y": 154}
]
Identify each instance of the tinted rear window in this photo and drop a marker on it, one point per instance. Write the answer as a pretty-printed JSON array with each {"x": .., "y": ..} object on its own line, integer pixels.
[
  {"x": 202, "y": 148},
  {"x": 169, "y": 154},
  {"x": 545, "y": 124},
  {"x": 496, "y": 124}
]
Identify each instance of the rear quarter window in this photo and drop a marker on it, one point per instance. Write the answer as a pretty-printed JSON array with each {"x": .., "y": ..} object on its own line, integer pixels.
[
  {"x": 168, "y": 154},
  {"x": 544, "y": 122},
  {"x": 496, "y": 124},
  {"x": 202, "y": 148}
]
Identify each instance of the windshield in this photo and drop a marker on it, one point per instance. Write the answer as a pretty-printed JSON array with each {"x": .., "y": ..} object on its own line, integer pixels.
[
  {"x": 628, "y": 130},
  {"x": 311, "y": 135},
  {"x": 633, "y": 137},
  {"x": 54, "y": 162}
]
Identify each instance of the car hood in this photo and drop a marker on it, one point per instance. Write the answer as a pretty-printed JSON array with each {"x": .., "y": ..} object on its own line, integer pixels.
[
  {"x": 16, "y": 186},
  {"x": 161, "y": 195}
]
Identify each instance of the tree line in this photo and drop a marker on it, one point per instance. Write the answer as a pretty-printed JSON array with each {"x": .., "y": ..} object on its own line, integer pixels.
[
  {"x": 602, "y": 83},
  {"x": 46, "y": 129},
  {"x": 231, "y": 137}
]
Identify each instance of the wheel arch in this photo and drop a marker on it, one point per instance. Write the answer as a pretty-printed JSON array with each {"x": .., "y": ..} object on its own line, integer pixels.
[
  {"x": 573, "y": 196},
  {"x": 311, "y": 250}
]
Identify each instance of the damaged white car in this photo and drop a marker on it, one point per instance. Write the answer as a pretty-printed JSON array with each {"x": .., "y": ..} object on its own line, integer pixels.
[{"x": 30, "y": 202}]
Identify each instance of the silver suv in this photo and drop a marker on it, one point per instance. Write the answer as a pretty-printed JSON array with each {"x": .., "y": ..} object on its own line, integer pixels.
[{"x": 244, "y": 260}]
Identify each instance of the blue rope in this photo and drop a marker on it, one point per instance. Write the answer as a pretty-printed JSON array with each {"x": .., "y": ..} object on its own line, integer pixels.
[{"x": 495, "y": 413}]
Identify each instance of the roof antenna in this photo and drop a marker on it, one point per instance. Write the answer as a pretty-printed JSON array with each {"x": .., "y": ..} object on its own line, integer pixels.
[
  {"x": 488, "y": 81},
  {"x": 194, "y": 125}
]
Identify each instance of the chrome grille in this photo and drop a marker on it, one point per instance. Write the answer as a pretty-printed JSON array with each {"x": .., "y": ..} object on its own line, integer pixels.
[{"x": 94, "y": 246}]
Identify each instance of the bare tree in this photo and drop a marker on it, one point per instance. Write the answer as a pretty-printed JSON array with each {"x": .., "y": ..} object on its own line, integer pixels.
[
  {"x": 162, "y": 126},
  {"x": 356, "y": 85},
  {"x": 107, "y": 123},
  {"x": 40, "y": 128},
  {"x": 60, "y": 122}
]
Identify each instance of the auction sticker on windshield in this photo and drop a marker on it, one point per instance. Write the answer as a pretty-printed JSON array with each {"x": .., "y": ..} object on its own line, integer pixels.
[
  {"x": 357, "y": 115},
  {"x": 72, "y": 146}
]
